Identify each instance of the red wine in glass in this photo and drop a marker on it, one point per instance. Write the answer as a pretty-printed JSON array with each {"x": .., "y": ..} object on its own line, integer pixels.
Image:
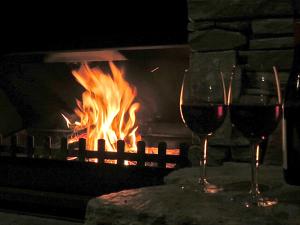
[
  {"x": 256, "y": 121},
  {"x": 204, "y": 119}
]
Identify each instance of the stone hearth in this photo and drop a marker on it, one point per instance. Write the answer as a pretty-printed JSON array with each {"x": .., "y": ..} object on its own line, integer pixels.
[{"x": 173, "y": 204}]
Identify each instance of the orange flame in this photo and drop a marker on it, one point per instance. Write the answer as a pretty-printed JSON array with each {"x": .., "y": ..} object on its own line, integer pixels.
[{"x": 107, "y": 110}]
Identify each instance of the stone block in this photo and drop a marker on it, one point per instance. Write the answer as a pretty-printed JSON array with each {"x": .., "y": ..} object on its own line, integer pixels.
[
  {"x": 201, "y": 25},
  {"x": 253, "y": 78},
  {"x": 243, "y": 26},
  {"x": 240, "y": 150},
  {"x": 224, "y": 60},
  {"x": 273, "y": 26},
  {"x": 220, "y": 9},
  {"x": 208, "y": 66},
  {"x": 195, "y": 154},
  {"x": 259, "y": 60},
  {"x": 222, "y": 136},
  {"x": 216, "y": 39},
  {"x": 273, "y": 154},
  {"x": 203, "y": 65},
  {"x": 272, "y": 43},
  {"x": 240, "y": 154}
]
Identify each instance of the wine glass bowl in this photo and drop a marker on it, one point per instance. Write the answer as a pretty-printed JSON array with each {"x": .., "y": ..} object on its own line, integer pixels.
[
  {"x": 203, "y": 110},
  {"x": 255, "y": 112}
]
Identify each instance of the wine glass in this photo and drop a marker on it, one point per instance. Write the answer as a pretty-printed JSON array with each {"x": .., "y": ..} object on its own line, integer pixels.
[
  {"x": 255, "y": 110},
  {"x": 203, "y": 110}
]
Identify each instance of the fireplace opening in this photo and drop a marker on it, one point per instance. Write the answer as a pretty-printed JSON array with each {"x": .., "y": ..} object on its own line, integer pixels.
[
  {"x": 37, "y": 88},
  {"x": 129, "y": 94},
  {"x": 85, "y": 123}
]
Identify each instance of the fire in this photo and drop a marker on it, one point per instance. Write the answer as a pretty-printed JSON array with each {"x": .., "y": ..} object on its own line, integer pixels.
[{"x": 107, "y": 109}]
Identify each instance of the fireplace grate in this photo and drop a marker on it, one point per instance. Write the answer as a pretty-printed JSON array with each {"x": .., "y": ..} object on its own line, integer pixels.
[{"x": 162, "y": 157}]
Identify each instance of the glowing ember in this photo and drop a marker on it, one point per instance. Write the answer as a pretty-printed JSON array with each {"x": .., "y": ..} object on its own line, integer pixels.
[{"x": 107, "y": 109}]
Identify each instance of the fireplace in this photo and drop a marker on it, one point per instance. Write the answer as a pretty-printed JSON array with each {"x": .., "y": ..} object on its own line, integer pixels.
[
  {"x": 56, "y": 102},
  {"x": 59, "y": 94},
  {"x": 37, "y": 86}
]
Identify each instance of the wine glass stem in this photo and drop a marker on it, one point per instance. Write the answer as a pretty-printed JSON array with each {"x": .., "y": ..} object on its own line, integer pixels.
[
  {"x": 203, "y": 161},
  {"x": 254, "y": 171}
]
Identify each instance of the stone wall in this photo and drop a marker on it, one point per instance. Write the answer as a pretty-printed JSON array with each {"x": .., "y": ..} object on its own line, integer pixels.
[{"x": 247, "y": 33}]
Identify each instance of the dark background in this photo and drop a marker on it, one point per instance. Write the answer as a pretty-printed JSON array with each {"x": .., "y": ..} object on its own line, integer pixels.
[{"x": 47, "y": 26}]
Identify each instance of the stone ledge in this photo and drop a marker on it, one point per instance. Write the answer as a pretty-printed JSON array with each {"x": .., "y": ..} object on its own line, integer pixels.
[{"x": 172, "y": 204}]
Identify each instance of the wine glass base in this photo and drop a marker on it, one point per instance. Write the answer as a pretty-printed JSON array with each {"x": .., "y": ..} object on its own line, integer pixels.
[
  {"x": 260, "y": 201},
  {"x": 209, "y": 188},
  {"x": 254, "y": 201}
]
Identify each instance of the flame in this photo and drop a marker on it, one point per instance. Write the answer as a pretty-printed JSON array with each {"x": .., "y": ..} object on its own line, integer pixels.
[{"x": 107, "y": 109}]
